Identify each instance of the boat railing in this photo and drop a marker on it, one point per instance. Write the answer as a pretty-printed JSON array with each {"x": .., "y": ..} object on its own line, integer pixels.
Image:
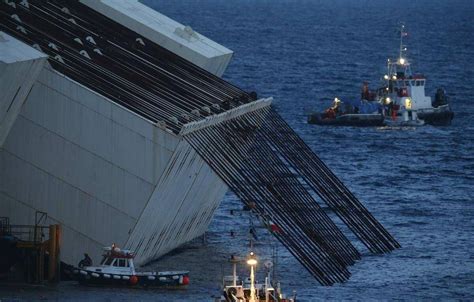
[{"x": 29, "y": 233}]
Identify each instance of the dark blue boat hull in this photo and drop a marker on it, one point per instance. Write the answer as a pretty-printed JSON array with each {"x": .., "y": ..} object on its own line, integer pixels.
[{"x": 355, "y": 120}]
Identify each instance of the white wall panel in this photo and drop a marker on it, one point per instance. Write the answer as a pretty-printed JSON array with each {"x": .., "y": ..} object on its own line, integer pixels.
[
  {"x": 19, "y": 213},
  {"x": 124, "y": 139},
  {"x": 185, "y": 197},
  {"x": 74, "y": 243},
  {"x": 78, "y": 167},
  {"x": 76, "y": 210},
  {"x": 89, "y": 163},
  {"x": 96, "y": 102},
  {"x": 20, "y": 65}
]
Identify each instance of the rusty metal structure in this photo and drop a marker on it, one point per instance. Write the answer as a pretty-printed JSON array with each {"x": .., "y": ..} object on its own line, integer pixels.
[{"x": 33, "y": 249}]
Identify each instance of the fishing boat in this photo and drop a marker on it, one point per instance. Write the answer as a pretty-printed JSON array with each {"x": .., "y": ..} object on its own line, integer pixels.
[
  {"x": 401, "y": 101},
  {"x": 236, "y": 289},
  {"x": 117, "y": 269}
]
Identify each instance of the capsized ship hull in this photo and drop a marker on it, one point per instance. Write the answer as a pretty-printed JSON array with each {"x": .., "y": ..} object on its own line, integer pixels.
[
  {"x": 91, "y": 163},
  {"x": 101, "y": 170}
]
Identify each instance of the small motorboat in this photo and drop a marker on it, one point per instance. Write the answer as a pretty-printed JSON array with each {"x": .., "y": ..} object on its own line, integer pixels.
[
  {"x": 440, "y": 114},
  {"x": 117, "y": 269},
  {"x": 249, "y": 289},
  {"x": 356, "y": 120},
  {"x": 357, "y": 114}
]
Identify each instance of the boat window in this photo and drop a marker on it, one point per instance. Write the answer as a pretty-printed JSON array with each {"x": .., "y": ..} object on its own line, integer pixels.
[
  {"x": 422, "y": 83},
  {"x": 122, "y": 262},
  {"x": 107, "y": 261},
  {"x": 407, "y": 83},
  {"x": 417, "y": 83},
  {"x": 115, "y": 262}
]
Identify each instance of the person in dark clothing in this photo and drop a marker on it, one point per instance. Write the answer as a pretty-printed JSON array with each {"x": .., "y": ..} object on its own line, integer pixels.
[
  {"x": 365, "y": 92},
  {"x": 87, "y": 261},
  {"x": 440, "y": 98}
]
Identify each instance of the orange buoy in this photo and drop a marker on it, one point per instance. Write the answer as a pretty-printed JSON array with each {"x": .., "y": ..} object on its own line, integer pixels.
[
  {"x": 185, "y": 280},
  {"x": 133, "y": 280}
]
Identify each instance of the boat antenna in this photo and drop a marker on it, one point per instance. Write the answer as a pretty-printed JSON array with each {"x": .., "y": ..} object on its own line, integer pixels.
[
  {"x": 275, "y": 261},
  {"x": 403, "y": 48}
]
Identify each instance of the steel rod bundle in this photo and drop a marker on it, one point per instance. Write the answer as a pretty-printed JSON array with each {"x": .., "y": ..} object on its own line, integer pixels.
[
  {"x": 267, "y": 165},
  {"x": 105, "y": 56},
  {"x": 254, "y": 187},
  {"x": 329, "y": 188}
]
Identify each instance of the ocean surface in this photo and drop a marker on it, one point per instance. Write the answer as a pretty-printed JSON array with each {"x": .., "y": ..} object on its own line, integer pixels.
[{"x": 419, "y": 182}]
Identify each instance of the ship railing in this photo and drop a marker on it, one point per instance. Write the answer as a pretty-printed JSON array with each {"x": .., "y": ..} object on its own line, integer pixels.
[
  {"x": 28, "y": 233},
  {"x": 4, "y": 226}
]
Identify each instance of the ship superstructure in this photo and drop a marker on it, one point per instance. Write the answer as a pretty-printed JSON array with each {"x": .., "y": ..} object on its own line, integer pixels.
[
  {"x": 128, "y": 134},
  {"x": 404, "y": 93}
]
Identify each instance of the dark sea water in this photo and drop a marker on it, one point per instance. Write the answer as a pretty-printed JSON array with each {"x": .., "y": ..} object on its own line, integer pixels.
[{"x": 419, "y": 182}]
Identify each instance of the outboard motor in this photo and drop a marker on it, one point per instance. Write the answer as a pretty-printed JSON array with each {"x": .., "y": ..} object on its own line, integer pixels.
[{"x": 440, "y": 98}]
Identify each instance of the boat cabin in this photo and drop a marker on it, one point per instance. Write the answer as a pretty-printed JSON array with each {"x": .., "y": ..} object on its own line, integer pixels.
[
  {"x": 115, "y": 260},
  {"x": 409, "y": 92},
  {"x": 249, "y": 289},
  {"x": 404, "y": 88}
]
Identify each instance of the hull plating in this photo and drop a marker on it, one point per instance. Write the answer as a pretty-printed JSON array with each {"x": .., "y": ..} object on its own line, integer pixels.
[{"x": 98, "y": 169}]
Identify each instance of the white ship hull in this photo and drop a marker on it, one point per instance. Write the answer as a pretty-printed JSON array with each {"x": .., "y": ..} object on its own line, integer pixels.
[
  {"x": 98, "y": 169},
  {"x": 103, "y": 172}
]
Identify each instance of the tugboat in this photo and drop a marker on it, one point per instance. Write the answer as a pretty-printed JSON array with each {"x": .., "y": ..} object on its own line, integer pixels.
[
  {"x": 250, "y": 290},
  {"x": 403, "y": 94},
  {"x": 117, "y": 269},
  {"x": 401, "y": 101}
]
